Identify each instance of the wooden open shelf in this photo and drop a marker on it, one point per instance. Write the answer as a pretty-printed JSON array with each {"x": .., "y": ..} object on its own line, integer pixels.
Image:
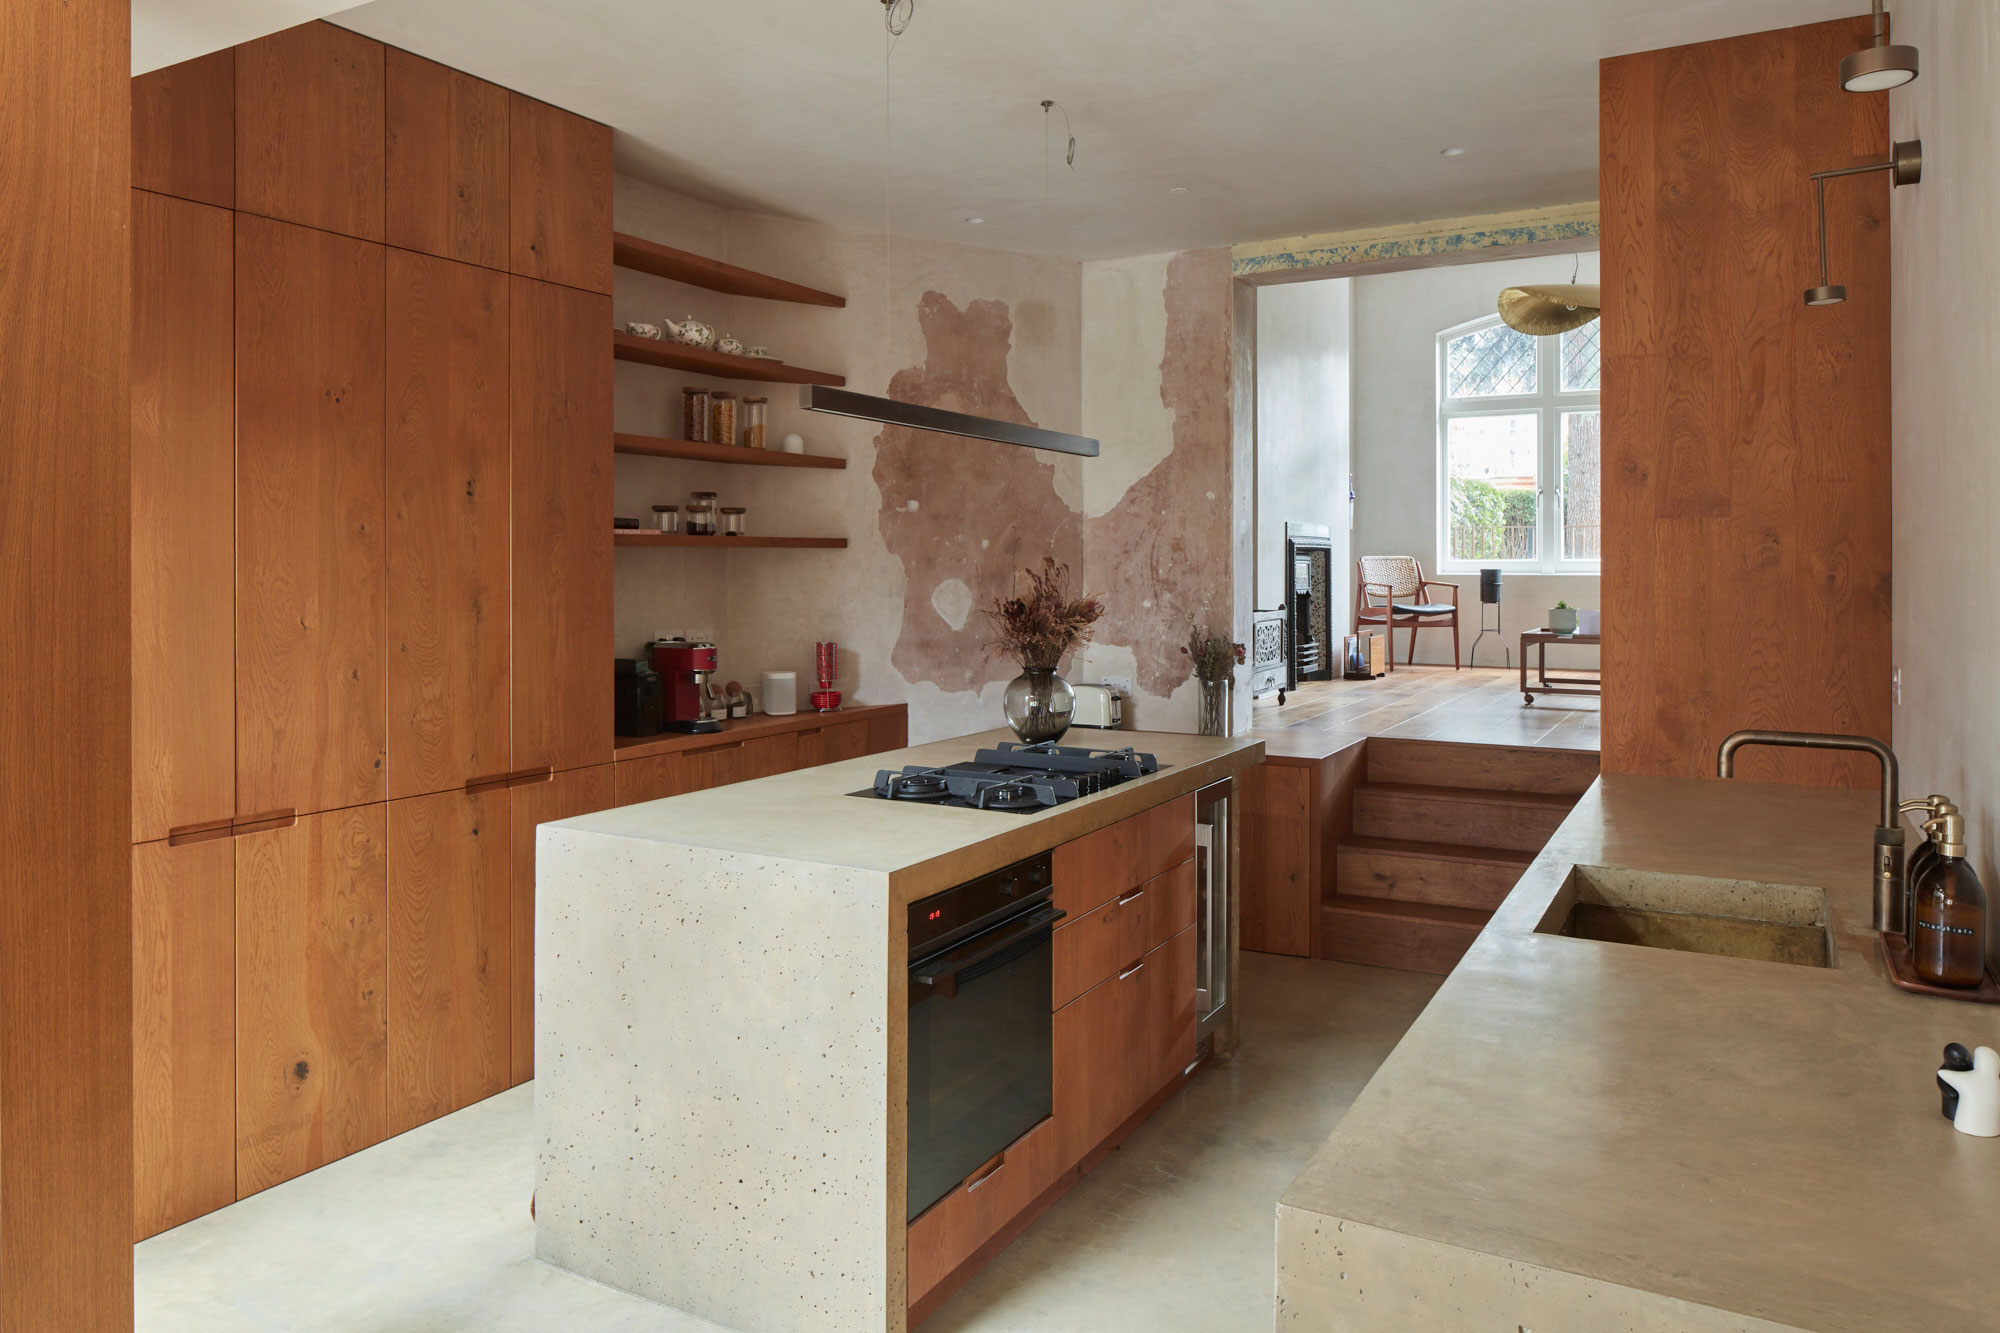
[
  {"x": 627, "y": 537},
  {"x": 663, "y": 261},
  {"x": 700, "y": 361},
  {"x": 703, "y": 451}
]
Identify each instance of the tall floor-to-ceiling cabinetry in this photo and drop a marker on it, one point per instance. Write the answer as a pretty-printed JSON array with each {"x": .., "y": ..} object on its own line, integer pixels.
[{"x": 372, "y": 591}]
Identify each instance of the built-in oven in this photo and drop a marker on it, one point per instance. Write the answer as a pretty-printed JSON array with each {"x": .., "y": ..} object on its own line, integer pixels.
[{"x": 981, "y": 1048}]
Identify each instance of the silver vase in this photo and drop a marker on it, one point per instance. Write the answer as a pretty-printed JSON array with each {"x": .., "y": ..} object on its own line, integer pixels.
[{"x": 1037, "y": 705}]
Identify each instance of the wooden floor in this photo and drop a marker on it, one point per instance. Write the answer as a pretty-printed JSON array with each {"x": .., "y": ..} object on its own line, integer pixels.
[{"x": 1481, "y": 705}]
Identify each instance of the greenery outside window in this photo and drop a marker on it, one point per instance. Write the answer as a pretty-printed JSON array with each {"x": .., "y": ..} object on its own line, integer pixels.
[{"x": 1520, "y": 429}]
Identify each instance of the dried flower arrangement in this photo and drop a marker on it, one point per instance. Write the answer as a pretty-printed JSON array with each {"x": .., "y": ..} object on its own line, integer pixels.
[
  {"x": 1215, "y": 657},
  {"x": 1046, "y": 624}
]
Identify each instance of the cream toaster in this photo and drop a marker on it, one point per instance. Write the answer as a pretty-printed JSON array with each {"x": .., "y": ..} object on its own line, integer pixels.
[{"x": 1097, "y": 706}]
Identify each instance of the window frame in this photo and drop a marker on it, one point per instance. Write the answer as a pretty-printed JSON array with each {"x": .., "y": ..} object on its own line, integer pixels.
[{"x": 1547, "y": 404}]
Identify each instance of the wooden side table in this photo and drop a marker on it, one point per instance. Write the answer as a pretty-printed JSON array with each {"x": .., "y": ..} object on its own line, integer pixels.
[{"x": 1544, "y": 683}]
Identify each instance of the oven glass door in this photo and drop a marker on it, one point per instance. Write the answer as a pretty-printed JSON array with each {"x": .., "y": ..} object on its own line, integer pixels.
[{"x": 981, "y": 1051}]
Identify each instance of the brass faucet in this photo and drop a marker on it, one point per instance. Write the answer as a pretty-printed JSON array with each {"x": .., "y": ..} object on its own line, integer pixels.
[{"x": 1888, "y": 833}]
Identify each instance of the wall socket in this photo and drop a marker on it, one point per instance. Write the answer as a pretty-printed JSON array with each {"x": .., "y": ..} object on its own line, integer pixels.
[{"x": 1122, "y": 684}]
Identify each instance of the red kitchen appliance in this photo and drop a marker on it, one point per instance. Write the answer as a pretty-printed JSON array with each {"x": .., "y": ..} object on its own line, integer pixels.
[
  {"x": 686, "y": 668},
  {"x": 826, "y": 664}
]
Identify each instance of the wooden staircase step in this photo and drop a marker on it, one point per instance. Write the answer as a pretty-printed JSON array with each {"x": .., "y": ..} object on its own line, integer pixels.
[
  {"x": 1421, "y": 872},
  {"x": 1462, "y": 816},
  {"x": 1496, "y": 767},
  {"x": 1381, "y": 932}
]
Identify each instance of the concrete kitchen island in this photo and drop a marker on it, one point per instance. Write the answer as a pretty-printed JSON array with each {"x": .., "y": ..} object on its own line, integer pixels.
[
  {"x": 1580, "y": 1135},
  {"x": 721, "y": 1007}
]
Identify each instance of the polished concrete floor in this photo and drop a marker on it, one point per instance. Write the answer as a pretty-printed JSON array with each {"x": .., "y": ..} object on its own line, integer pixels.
[
  {"x": 1439, "y": 704},
  {"x": 430, "y": 1231}
]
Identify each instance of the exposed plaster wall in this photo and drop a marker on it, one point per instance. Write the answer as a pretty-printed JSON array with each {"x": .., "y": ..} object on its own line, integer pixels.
[
  {"x": 1944, "y": 247},
  {"x": 1397, "y": 317}
]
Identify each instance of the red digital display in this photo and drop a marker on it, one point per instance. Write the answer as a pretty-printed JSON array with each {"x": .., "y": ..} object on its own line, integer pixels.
[{"x": 936, "y": 912}]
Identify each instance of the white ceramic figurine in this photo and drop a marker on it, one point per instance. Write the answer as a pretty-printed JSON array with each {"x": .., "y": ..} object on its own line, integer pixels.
[{"x": 1978, "y": 1094}]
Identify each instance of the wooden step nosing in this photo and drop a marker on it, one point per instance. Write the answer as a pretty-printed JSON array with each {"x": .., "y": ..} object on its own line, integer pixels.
[
  {"x": 1456, "y": 853},
  {"x": 1473, "y": 919},
  {"x": 1527, "y": 800}
]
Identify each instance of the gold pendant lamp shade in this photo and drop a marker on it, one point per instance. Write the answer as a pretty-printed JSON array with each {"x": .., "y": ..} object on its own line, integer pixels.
[{"x": 1552, "y": 309}]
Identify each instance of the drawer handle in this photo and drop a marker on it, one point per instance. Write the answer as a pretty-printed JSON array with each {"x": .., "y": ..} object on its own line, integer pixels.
[
  {"x": 811, "y": 731},
  {"x": 268, "y": 822},
  {"x": 1132, "y": 897},
  {"x": 490, "y": 780},
  {"x": 716, "y": 749},
  {"x": 987, "y": 1174},
  {"x": 528, "y": 777},
  {"x": 1135, "y": 968},
  {"x": 187, "y": 833}
]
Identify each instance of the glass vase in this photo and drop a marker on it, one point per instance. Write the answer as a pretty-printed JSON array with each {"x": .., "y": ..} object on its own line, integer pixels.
[
  {"x": 1037, "y": 705},
  {"x": 1217, "y": 718}
]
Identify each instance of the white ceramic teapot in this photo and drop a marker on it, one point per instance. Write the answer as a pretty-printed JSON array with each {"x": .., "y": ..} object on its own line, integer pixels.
[
  {"x": 730, "y": 345},
  {"x": 690, "y": 332}
]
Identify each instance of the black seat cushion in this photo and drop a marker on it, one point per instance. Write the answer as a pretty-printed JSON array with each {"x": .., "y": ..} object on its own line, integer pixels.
[{"x": 1424, "y": 608}]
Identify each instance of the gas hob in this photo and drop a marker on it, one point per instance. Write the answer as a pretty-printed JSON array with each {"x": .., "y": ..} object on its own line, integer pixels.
[{"x": 1014, "y": 777}]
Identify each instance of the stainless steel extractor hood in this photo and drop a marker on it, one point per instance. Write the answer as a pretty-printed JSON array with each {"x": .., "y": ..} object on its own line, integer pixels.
[{"x": 894, "y": 412}]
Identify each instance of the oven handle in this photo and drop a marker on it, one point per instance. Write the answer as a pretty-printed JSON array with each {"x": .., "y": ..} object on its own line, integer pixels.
[{"x": 946, "y": 974}]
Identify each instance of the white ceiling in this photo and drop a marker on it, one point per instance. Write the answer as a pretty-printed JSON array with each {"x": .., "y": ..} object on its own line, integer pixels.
[{"x": 1281, "y": 117}]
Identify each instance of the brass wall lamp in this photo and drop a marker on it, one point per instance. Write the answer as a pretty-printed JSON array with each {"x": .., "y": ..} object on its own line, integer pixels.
[
  {"x": 1905, "y": 166},
  {"x": 1879, "y": 66}
]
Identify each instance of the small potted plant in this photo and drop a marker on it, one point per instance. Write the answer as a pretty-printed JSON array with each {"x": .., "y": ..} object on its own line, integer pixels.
[
  {"x": 1038, "y": 629},
  {"x": 1562, "y": 619},
  {"x": 1215, "y": 659}
]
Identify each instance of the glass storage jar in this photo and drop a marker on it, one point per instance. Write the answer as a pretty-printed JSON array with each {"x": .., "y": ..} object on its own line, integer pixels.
[
  {"x": 701, "y": 514},
  {"x": 732, "y": 520},
  {"x": 722, "y": 417},
  {"x": 667, "y": 519},
  {"x": 754, "y": 410},
  {"x": 694, "y": 414}
]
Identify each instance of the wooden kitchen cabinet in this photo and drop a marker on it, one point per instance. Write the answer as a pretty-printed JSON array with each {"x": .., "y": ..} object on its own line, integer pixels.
[
  {"x": 562, "y": 796},
  {"x": 560, "y": 399},
  {"x": 1097, "y": 867},
  {"x": 448, "y": 525},
  {"x": 447, "y": 162},
  {"x": 310, "y": 595},
  {"x": 449, "y": 945},
  {"x": 183, "y": 1032},
  {"x": 310, "y": 129},
  {"x": 1172, "y": 1022},
  {"x": 756, "y": 757},
  {"x": 184, "y": 132},
  {"x": 559, "y": 198},
  {"x": 1094, "y": 1078},
  {"x": 183, "y": 516},
  {"x": 832, "y": 743},
  {"x": 953, "y": 1229},
  {"x": 1123, "y": 931},
  {"x": 663, "y": 775},
  {"x": 311, "y": 964}
]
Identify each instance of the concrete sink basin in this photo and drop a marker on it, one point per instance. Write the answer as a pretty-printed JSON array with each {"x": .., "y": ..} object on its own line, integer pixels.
[{"x": 1734, "y": 918}]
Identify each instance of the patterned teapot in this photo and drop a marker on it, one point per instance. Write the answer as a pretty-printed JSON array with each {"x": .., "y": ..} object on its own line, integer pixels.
[{"x": 690, "y": 332}]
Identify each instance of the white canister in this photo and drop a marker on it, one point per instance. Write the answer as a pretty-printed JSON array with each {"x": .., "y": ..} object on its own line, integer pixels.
[
  {"x": 1589, "y": 622},
  {"x": 781, "y": 693}
]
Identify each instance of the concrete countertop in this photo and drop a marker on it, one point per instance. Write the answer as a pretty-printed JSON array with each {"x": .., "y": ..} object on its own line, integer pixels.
[
  {"x": 810, "y": 816},
  {"x": 1588, "y": 1135}
]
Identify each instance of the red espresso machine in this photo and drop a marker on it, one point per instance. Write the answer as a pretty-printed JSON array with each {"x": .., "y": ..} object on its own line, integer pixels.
[{"x": 686, "y": 667}]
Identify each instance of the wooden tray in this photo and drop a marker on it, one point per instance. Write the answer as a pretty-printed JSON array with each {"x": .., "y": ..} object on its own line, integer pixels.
[{"x": 1896, "y": 958}]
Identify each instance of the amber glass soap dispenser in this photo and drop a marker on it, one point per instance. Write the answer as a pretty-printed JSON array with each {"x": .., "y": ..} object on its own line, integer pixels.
[{"x": 1948, "y": 928}]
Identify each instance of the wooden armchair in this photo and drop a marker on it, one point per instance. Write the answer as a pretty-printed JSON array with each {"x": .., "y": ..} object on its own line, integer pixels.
[{"x": 1394, "y": 594}]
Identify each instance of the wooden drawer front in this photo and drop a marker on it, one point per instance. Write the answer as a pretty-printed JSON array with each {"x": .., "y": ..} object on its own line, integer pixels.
[
  {"x": 1095, "y": 1058},
  {"x": 663, "y": 775},
  {"x": 1119, "y": 933},
  {"x": 1116, "y": 859},
  {"x": 740, "y": 761},
  {"x": 832, "y": 743},
  {"x": 1170, "y": 1007},
  {"x": 953, "y": 1228}
]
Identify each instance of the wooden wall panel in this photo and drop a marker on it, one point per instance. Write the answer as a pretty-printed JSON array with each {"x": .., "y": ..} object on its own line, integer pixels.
[
  {"x": 311, "y": 601},
  {"x": 448, "y": 524},
  {"x": 183, "y": 1032},
  {"x": 447, "y": 162},
  {"x": 566, "y": 796},
  {"x": 1746, "y": 477},
  {"x": 183, "y": 648},
  {"x": 310, "y": 129},
  {"x": 65, "y": 589},
  {"x": 449, "y": 946},
  {"x": 1280, "y": 824},
  {"x": 560, "y": 401},
  {"x": 184, "y": 130},
  {"x": 311, "y": 1037},
  {"x": 560, "y": 196}
]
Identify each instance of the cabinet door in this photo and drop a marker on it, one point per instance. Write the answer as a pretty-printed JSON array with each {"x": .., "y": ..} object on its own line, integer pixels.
[
  {"x": 309, "y": 129},
  {"x": 183, "y": 1032},
  {"x": 888, "y": 731},
  {"x": 184, "y": 132},
  {"x": 183, "y": 516},
  {"x": 310, "y": 596},
  {"x": 1164, "y": 1034},
  {"x": 560, "y": 377},
  {"x": 564, "y": 796},
  {"x": 761, "y": 757},
  {"x": 832, "y": 743},
  {"x": 311, "y": 1037},
  {"x": 559, "y": 196},
  {"x": 1095, "y": 1086},
  {"x": 448, "y": 524},
  {"x": 663, "y": 775},
  {"x": 450, "y": 976},
  {"x": 1278, "y": 895},
  {"x": 447, "y": 162}
]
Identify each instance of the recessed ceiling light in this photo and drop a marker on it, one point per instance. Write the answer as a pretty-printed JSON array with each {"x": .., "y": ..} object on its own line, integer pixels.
[
  {"x": 974, "y": 221},
  {"x": 1453, "y": 152},
  {"x": 1178, "y": 189}
]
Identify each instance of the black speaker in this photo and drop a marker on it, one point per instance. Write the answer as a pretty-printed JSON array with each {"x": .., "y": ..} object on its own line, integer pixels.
[{"x": 1489, "y": 586}]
